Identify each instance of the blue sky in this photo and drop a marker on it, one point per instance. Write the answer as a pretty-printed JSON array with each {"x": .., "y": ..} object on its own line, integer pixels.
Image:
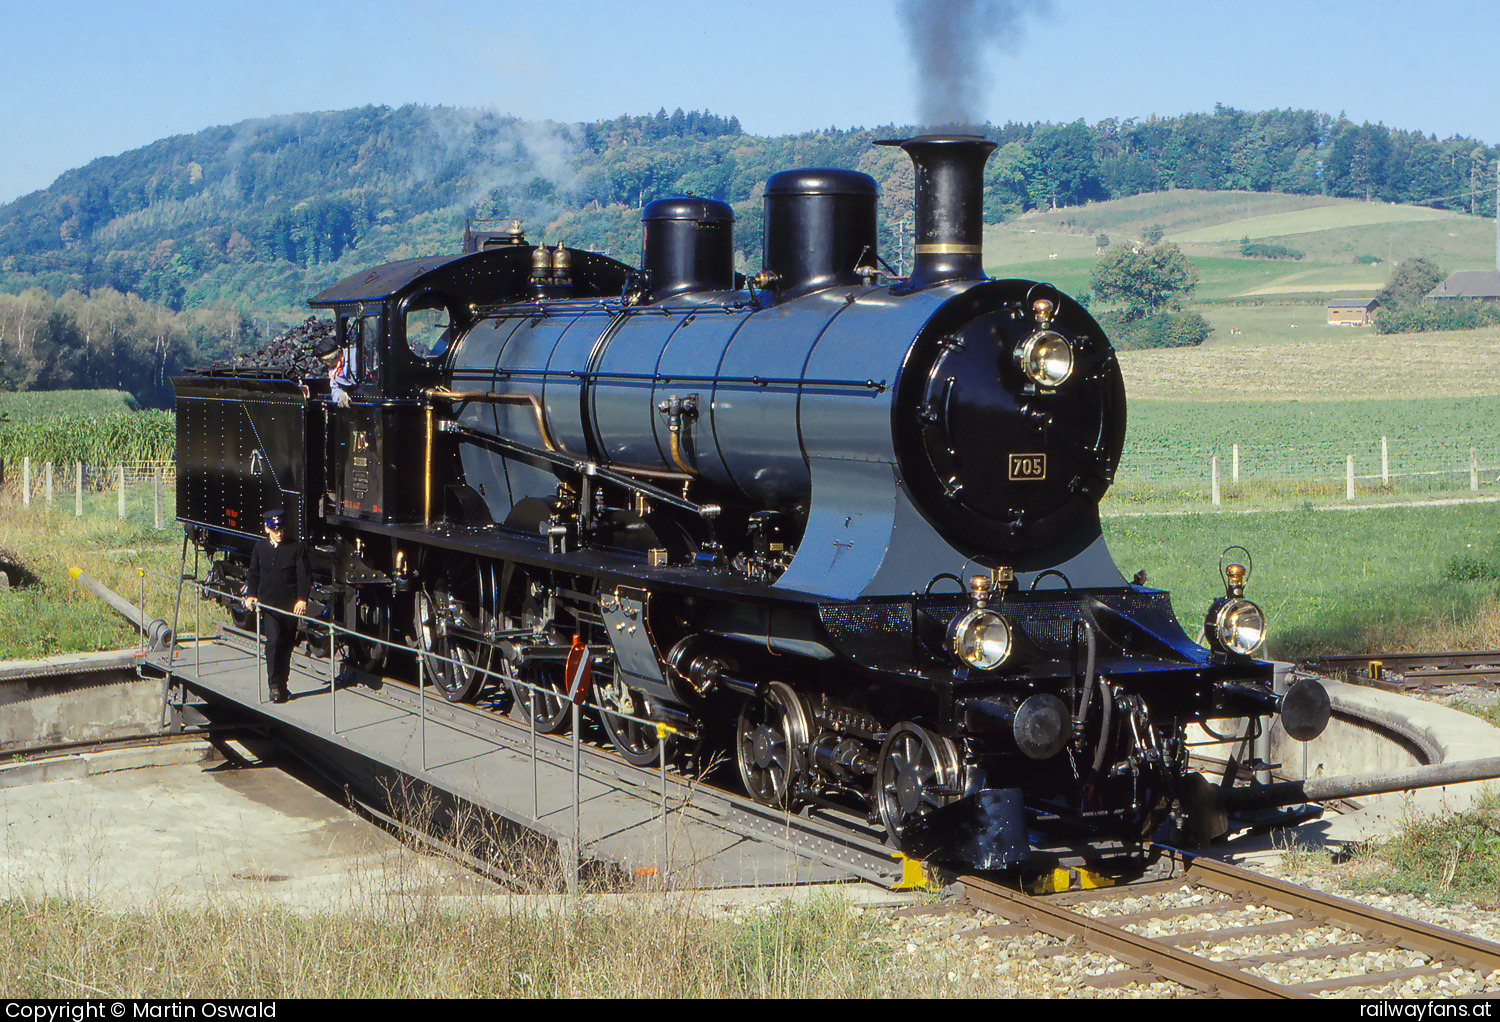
[{"x": 90, "y": 78}]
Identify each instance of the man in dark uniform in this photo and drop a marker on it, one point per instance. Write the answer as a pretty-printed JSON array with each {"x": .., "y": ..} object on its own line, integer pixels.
[{"x": 278, "y": 575}]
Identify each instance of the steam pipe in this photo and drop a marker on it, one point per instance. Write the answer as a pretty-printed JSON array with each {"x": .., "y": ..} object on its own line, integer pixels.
[
  {"x": 1324, "y": 789},
  {"x": 157, "y": 632}
]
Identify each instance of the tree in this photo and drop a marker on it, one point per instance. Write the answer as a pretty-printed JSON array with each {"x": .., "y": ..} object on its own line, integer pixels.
[
  {"x": 1411, "y": 281},
  {"x": 1145, "y": 280}
]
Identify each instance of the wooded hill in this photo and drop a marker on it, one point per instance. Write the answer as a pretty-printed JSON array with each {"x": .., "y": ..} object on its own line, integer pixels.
[{"x": 256, "y": 217}]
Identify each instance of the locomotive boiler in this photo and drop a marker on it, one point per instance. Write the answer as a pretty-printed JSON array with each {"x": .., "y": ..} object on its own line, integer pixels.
[{"x": 840, "y": 525}]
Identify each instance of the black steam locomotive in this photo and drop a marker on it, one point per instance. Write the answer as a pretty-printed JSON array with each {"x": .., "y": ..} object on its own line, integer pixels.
[{"x": 841, "y": 523}]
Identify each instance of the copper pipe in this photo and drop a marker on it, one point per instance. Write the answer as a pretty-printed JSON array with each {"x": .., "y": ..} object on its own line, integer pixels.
[
  {"x": 548, "y": 443},
  {"x": 506, "y": 399},
  {"x": 676, "y": 428},
  {"x": 427, "y": 477}
]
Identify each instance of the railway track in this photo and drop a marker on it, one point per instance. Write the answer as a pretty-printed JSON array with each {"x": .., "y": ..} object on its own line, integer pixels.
[
  {"x": 1422, "y": 672},
  {"x": 1219, "y": 930}
]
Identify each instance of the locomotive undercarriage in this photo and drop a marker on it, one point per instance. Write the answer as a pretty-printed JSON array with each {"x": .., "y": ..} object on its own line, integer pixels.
[{"x": 952, "y": 765}]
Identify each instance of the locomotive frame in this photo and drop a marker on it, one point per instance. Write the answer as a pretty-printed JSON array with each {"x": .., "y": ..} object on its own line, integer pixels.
[{"x": 841, "y": 524}]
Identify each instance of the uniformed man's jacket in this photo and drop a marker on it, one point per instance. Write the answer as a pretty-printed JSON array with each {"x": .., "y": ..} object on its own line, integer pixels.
[{"x": 278, "y": 574}]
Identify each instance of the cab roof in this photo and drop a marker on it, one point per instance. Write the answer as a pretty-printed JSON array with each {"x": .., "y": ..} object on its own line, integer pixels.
[{"x": 390, "y": 279}]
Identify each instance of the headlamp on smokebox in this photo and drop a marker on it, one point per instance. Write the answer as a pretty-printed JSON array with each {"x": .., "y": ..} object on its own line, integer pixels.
[
  {"x": 1045, "y": 357},
  {"x": 1234, "y": 624}
]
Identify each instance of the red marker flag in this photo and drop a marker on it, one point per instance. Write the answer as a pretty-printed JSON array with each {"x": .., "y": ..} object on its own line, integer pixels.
[{"x": 580, "y": 671}]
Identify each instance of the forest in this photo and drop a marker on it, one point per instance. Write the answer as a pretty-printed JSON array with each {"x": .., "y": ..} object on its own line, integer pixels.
[{"x": 238, "y": 225}]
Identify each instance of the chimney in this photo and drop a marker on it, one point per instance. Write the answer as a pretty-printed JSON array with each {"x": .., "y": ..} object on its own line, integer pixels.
[{"x": 949, "y": 206}]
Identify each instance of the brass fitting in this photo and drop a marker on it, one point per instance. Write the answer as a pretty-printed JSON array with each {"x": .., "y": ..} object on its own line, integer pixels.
[
  {"x": 979, "y": 591},
  {"x": 1235, "y": 577}
]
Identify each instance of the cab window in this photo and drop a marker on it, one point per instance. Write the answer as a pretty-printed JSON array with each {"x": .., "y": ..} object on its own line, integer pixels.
[
  {"x": 361, "y": 341},
  {"x": 429, "y": 329}
]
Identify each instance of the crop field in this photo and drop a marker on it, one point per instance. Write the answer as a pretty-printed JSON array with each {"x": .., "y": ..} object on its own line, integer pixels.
[
  {"x": 1324, "y": 364},
  {"x": 27, "y": 405},
  {"x": 95, "y": 440},
  {"x": 1339, "y": 217}
]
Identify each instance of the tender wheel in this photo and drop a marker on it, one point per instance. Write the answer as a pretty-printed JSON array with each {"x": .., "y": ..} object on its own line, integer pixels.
[
  {"x": 771, "y": 745},
  {"x": 918, "y": 772},
  {"x": 636, "y": 742}
]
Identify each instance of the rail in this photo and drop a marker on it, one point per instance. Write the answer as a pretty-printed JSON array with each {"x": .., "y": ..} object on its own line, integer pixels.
[{"x": 1243, "y": 903}]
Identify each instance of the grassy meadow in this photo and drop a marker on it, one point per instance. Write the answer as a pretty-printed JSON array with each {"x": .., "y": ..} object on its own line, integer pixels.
[
  {"x": 59, "y": 616},
  {"x": 1333, "y": 580}
]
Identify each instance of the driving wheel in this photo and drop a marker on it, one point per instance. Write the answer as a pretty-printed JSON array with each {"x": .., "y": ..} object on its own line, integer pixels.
[
  {"x": 771, "y": 745},
  {"x": 917, "y": 772}
]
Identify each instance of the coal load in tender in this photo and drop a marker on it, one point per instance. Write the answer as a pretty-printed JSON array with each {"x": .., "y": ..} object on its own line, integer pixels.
[{"x": 289, "y": 354}]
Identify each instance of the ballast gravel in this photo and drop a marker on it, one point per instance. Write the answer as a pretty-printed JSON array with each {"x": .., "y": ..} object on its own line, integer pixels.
[{"x": 950, "y": 953}]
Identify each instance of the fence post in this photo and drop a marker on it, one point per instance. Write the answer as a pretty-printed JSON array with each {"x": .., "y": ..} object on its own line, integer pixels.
[
  {"x": 1214, "y": 483},
  {"x": 78, "y": 489},
  {"x": 1474, "y": 469},
  {"x": 1349, "y": 477},
  {"x": 49, "y": 486},
  {"x": 1234, "y": 473},
  {"x": 158, "y": 496},
  {"x": 120, "y": 478},
  {"x": 1385, "y": 464},
  {"x": 26, "y": 481}
]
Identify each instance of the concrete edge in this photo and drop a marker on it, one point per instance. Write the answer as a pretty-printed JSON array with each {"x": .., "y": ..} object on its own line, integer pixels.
[
  {"x": 69, "y": 663},
  {"x": 1450, "y": 735},
  {"x": 90, "y": 764}
]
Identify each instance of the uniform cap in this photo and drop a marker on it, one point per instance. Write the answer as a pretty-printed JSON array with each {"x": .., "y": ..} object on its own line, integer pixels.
[
  {"x": 325, "y": 347},
  {"x": 273, "y": 517}
]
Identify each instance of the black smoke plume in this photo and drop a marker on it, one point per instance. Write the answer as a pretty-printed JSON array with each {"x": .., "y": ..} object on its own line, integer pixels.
[{"x": 951, "y": 39}]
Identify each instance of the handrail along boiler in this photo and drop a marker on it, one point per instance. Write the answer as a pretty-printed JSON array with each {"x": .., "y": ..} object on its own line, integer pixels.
[{"x": 841, "y": 524}]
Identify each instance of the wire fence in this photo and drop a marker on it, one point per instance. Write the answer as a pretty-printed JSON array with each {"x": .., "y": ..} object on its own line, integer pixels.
[
  {"x": 142, "y": 493},
  {"x": 1167, "y": 476},
  {"x": 1157, "y": 476}
]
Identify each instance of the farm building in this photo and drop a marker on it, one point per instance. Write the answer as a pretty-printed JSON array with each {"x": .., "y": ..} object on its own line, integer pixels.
[
  {"x": 1352, "y": 311},
  {"x": 1483, "y": 284}
]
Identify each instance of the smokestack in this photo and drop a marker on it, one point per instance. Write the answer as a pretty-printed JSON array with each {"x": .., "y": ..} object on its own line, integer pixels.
[{"x": 949, "y": 206}]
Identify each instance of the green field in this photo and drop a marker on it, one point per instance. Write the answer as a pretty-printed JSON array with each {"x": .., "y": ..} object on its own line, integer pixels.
[
  {"x": 38, "y": 404},
  {"x": 1337, "y": 424},
  {"x": 1340, "y": 217},
  {"x": 1274, "y": 298}
]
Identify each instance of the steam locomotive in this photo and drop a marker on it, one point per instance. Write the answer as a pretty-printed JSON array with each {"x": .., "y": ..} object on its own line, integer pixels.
[{"x": 840, "y": 524}]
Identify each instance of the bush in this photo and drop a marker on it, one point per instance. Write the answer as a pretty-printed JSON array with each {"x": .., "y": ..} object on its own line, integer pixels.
[
  {"x": 1264, "y": 250},
  {"x": 1164, "y": 330},
  {"x": 1437, "y": 314}
]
